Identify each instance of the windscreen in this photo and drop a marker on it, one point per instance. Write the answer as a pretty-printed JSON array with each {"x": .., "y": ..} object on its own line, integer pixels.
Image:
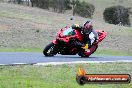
[{"x": 69, "y": 32}]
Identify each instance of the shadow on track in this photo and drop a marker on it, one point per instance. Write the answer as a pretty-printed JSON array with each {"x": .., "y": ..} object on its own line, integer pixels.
[{"x": 72, "y": 56}]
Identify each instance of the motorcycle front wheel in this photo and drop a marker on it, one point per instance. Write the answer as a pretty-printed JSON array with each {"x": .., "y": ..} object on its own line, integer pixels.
[{"x": 49, "y": 50}]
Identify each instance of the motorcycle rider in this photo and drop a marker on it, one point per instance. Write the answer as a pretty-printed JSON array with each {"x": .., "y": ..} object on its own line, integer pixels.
[{"x": 89, "y": 35}]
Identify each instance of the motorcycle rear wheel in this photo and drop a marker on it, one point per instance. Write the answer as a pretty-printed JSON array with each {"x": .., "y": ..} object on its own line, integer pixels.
[
  {"x": 49, "y": 50},
  {"x": 95, "y": 49},
  {"x": 82, "y": 54}
]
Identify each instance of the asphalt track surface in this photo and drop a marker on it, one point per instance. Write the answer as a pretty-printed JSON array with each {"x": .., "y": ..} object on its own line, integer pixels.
[{"x": 9, "y": 58}]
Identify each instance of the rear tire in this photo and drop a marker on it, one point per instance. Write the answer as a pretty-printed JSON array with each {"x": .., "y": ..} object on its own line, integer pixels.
[
  {"x": 95, "y": 49},
  {"x": 82, "y": 54},
  {"x": 49, "y": 50}
]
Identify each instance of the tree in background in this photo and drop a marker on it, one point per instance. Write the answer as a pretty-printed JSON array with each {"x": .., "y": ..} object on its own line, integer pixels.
[
  {"x": 116, "y": 15},
  {"x": 84, "y": 9},
  {"x": 61, "y": 6},
  {"x": 67, "y": 4},
  {"x": 32, "y": 3},
  {"x": 74, "y": 3},
  {"x": 57, "y": 5},
  {"x": 19, "y": 1},
  {"x": 27, "y": 2},
  {"x": 53, "y": 5},
  {"x": 80, "y": 8}
]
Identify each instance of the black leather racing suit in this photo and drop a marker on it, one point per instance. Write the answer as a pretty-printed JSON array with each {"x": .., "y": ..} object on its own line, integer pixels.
[{"x": 90, "y": 38}]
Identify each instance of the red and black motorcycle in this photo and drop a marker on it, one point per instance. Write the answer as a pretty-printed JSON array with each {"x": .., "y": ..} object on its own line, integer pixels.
[{"x": 64, "y": 43}]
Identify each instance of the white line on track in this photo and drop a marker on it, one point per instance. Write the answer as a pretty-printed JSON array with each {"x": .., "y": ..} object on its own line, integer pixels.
[
  {"x": 61, "y": 63},
  {"x": 79, "y": 62}
]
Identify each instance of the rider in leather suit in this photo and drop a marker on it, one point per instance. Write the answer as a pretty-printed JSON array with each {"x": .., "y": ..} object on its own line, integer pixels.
[{"x": 89, "y": 35}]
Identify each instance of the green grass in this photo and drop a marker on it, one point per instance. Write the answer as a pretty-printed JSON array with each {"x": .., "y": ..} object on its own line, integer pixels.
[
  {"x": 21, "y": 50},
  {"x": 113, "y": 52},
  {"x": 28, "y": 76},
  {"x": 99, "y": 51}
]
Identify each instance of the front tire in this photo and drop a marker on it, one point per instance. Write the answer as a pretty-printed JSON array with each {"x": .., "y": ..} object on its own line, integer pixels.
[{"x": 49, "y": 50}]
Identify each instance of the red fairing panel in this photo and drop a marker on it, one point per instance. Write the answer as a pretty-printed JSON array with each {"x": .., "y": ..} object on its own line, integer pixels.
[
  {"x": 101, "y": 35},
  {"x": 78, "y": 35},
  {"x": 54, "y": 41}
]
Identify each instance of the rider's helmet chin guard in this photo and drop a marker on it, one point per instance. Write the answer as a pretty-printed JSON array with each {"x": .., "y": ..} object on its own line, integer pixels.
[{"x": 87, "y": 27}]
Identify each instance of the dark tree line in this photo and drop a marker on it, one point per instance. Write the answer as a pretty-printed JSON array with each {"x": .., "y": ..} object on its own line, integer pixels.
[
  {"x": 80, "y": 8},
  {"x": 56, "y": 5},
  {"x": 23, "y": 2}
]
